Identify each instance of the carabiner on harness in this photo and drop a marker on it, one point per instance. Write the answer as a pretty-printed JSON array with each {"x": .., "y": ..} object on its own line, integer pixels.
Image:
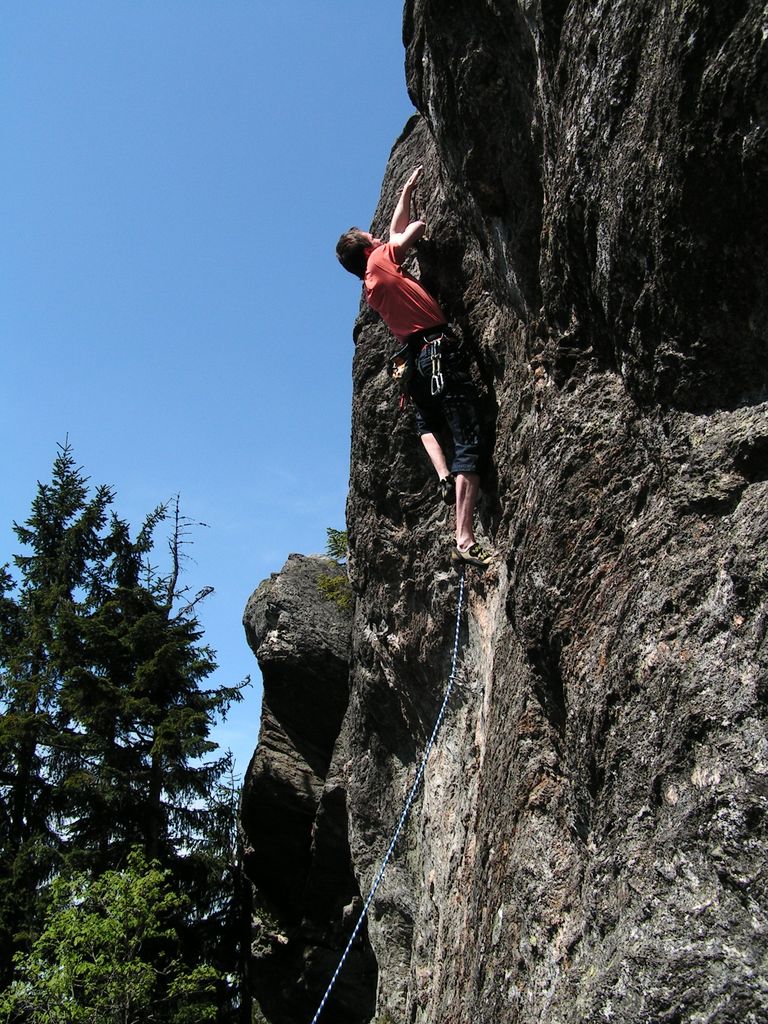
[{"x": 435, "y": 353}]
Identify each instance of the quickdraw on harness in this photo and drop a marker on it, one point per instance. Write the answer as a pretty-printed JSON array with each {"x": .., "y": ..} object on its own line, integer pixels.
[
  {"x": 408, "y": 802},
  {"x": 436, "y": 383},
  {"x": 405, "y": 363}
]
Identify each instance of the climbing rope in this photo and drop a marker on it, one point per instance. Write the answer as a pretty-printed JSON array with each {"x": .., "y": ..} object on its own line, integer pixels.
[{"x": 408, "y": 802}]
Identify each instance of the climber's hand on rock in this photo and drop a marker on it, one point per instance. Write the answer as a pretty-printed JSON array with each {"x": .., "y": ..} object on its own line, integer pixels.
[{"x": 414, "y": 177}]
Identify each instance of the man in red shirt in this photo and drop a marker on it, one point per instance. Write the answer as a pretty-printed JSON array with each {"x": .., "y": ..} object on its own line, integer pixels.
[{"x": 441, "y": 385}]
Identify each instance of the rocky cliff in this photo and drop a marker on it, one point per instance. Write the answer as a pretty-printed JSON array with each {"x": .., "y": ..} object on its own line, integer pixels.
[{"x": 590, "y": 844}]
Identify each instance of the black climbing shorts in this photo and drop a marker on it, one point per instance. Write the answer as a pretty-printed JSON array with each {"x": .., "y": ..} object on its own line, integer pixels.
[{"x": 454, "y": 408}]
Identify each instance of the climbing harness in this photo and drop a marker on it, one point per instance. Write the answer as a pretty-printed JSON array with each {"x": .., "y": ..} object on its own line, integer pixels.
[
  {"x": 405, "y": 363},
  {"x": 408, "y": 802}
]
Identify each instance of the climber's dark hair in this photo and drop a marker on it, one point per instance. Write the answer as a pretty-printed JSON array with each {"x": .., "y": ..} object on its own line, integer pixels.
[{"x": 351, "y": 251}]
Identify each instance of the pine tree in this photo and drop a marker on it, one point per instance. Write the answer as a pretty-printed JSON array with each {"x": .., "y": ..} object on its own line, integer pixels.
[
  {"x": 59, "y": 576},
  {"x": 137, "y": 715},
  {"x": 104, "y": 744},
  {"x": 138, "y": 742}
]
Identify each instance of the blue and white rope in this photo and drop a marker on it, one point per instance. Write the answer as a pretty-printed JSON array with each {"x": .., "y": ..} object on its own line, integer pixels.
[{"x": 408, "y": 802}]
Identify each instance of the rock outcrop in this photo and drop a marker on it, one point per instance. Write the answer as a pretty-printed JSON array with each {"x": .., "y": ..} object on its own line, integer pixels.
[
  {"x": 293, "y": 808},
  {"x": 591, "y": 841}
]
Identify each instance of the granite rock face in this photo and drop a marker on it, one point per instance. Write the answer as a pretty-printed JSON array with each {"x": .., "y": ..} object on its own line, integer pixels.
[{"x": 590, "y": 843}]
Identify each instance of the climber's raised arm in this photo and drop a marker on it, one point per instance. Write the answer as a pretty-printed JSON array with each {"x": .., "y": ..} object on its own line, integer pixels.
[
  {"x": 402, "y": 243},
  {"x": 401, "y": 218}
]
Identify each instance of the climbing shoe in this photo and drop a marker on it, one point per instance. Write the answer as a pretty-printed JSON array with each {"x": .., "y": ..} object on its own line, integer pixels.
[
  {"x": 474, "y": 555},
  {"x": 448, "y": 489}
]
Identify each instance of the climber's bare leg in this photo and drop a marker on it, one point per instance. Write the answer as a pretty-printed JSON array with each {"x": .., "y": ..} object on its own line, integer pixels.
[
  {"x": 436, "y": 455},
  {"x": 467, "y": 486}
]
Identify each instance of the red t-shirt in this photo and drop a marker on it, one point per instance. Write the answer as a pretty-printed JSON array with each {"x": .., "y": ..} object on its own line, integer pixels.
[{"x": 402, "y": 302}]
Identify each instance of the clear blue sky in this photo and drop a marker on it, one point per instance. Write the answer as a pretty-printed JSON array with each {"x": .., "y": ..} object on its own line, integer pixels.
[{"x": 174, "y": 175}]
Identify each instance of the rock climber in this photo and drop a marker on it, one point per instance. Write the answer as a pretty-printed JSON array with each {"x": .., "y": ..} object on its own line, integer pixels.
[{"x": 431, "y": 360}]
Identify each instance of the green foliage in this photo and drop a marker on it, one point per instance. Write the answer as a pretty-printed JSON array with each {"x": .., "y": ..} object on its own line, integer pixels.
[
  {"x": 337, "y": 545},
  {"x": 61, "y": 577},
  {"x": 336, "y": 589},
  {"x": 335, "y": 586},
  {"x": 108, "y": 953},
  {"x": 105, "y": 721}
]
